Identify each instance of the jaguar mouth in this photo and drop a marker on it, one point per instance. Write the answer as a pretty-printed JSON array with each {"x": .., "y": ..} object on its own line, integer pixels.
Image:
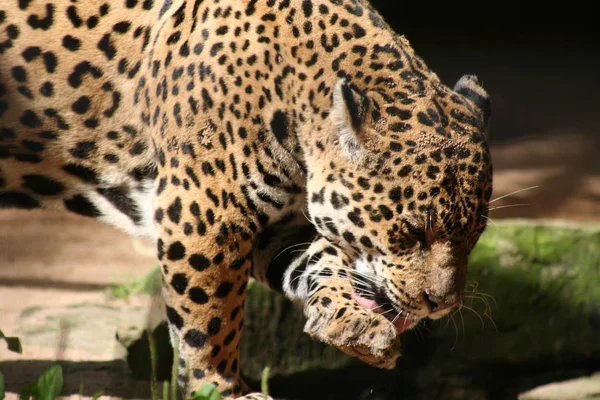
[{"x": 381, "y": 304}]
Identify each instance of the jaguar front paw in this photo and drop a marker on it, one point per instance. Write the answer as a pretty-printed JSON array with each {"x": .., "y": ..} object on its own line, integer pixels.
[{"x": 336, "y": 318}]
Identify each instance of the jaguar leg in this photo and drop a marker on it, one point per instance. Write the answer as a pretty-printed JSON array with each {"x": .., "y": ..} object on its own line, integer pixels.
[{"x": 205, "y": 274}]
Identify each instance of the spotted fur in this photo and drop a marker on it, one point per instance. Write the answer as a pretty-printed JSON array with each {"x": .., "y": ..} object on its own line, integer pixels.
[{"x": 213, "y": 127}]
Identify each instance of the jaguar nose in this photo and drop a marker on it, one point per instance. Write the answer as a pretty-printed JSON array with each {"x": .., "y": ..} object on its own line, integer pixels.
[{"x": 439, "y": 303}]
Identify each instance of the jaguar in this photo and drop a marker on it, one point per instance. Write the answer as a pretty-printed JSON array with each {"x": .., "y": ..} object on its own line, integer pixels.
[{"x": 300, "y": 143}]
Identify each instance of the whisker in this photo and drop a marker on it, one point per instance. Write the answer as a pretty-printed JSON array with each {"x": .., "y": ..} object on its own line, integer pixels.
[
  {"x": 304, "y": 274},
  {"x": 491, "y": 320},
  {"x": 303, "y": 213},
  {"x": 447, "y": 319},
  {"x": 291, "y": 247},
  {"x": 491, "y": 220},
  {"x": 298, "y": 251},
  {"x": 482, "y": 299},
  {"x": 296, "y": 279},
  {"x": 366, "y": 275},
  {"x": 455, "y": 332},
  {"x": 419, "y": 336},
  {"x": 418, "y": 330},
  {"x": 424, "y": 327},
  {"x": 485, "y": 299},
  {"x": 462, "y": 320},
  {"x": 363, "y": 285},
  {"x": 358, "y": 277},
  {"x": 450, "y": 316},
  {"x": 407, "y": 318},
  {"x": 366, "y": 294},
  {"x": 507, "y": 206},
  {"x": 473, "y": 289},
  {"x": 489, "y": 296},
  {"x": 364, "y": 288},
  {"x": 476, "y": 313},
  {"x": 515, "y": 192},
  {"x": 363, "y": 282},
  {"x": 472, "y": 284},
  {"x": 487, "y": 311},
  {"x": 309, "y": 261}
]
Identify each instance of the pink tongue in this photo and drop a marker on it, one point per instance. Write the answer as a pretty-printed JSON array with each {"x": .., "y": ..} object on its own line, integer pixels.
[
  {"x": 366, "y": 303},
  {"x": 401, "y": 323}
]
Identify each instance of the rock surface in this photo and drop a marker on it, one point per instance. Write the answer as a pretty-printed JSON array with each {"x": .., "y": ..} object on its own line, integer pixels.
[{"x": 587, "y": 387}]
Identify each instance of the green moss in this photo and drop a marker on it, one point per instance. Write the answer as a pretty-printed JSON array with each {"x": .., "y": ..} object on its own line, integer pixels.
[
  {"x": 546, "y": 281},
  {"x": 29, "y": 311},
  {"x": 149, "y": 284}
]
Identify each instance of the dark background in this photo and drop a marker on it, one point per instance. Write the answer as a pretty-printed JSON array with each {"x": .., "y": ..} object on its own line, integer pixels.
[{"x": 540, "y": 64}]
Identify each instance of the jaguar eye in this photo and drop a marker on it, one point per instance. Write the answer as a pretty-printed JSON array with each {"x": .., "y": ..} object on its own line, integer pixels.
[{"x": 417, "y": 232}]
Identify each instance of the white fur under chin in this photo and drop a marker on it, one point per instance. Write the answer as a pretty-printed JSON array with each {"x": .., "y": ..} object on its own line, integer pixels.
[{"x": 362, "y": 267}]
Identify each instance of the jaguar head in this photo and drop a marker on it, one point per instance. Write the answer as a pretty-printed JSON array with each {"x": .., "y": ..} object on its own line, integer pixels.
[{"x": 401, "y": 183}]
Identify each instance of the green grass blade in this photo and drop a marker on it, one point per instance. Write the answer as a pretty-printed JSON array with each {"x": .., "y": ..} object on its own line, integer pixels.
[
  {"x": 264, "y": 384},
  {"x": 174, "y": 368},
  {"x": 28, "y": 391},
  {"x": 165, "y": 390},
  {"x": 1, "y": 386},
  {"x": 153, "y": 382},
  {"x": 50, "y": 384},
  {"x": 208, "y": 391}
]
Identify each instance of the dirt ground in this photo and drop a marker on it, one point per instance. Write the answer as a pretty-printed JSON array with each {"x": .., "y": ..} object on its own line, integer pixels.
[
  {"x": 55, "y": 268},
  {"x": 54, "y": 273}
]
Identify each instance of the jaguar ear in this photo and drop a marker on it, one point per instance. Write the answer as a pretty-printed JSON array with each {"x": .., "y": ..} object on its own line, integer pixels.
[
  {"x": 470, "y": 87},
  {"x": 348, "y": 112}
]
